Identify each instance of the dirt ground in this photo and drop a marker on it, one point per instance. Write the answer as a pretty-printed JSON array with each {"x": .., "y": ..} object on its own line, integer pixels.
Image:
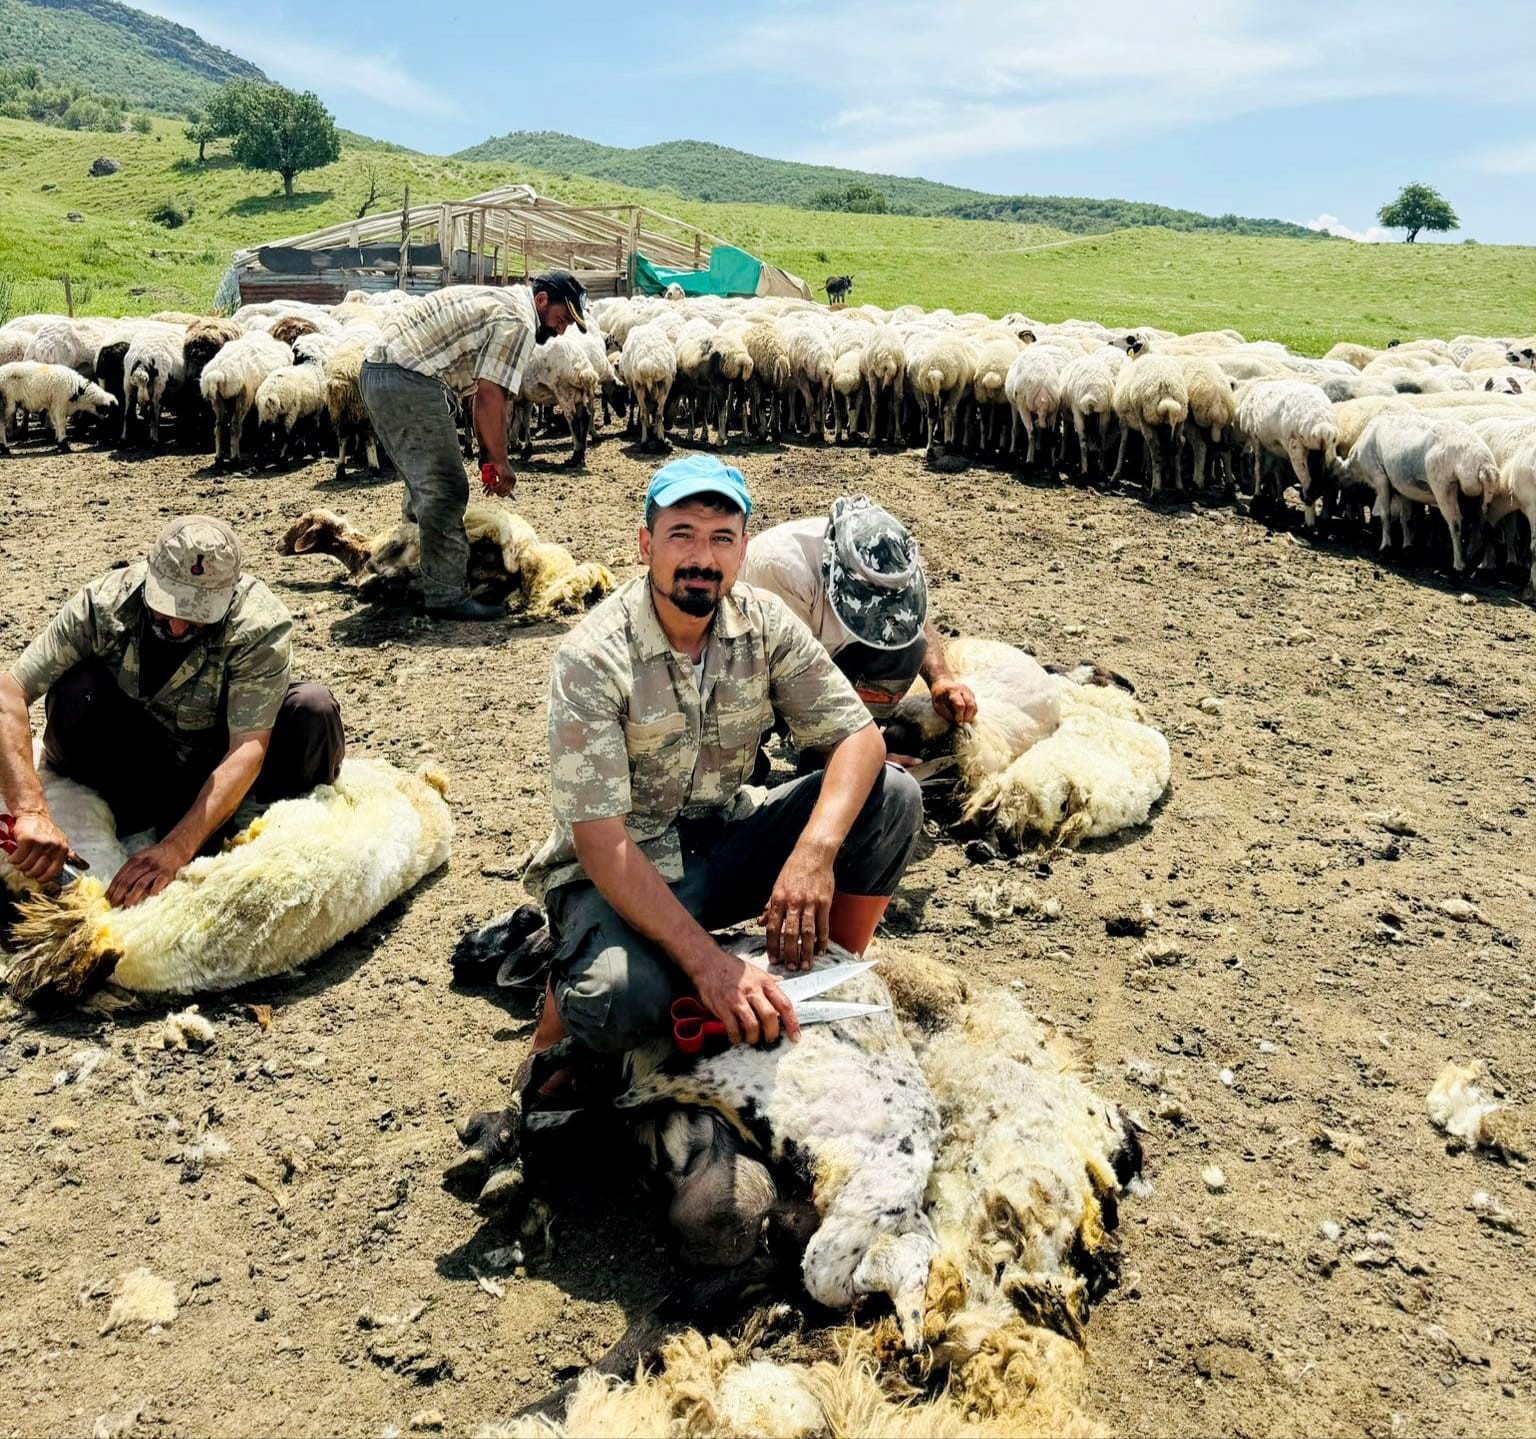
[{"x": 1297, "y": 975}]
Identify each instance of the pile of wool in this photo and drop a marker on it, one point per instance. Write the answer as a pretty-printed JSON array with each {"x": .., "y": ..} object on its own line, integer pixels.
[
  {"x": 958, "y": 1167},
  {"x": 1059, "y": 756},
  {"x": 299, "y": 878}
]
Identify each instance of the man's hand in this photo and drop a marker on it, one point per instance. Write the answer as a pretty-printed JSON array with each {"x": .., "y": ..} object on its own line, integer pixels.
[
  {"x": 798, "y": 908},
  {"x": 954, "y": 701},
  {"x": 145, "y": 875},
  {"x": 745, "y": 999},
  {"x": 41, "y": 849},
  {"x": 498, "y": 478}
]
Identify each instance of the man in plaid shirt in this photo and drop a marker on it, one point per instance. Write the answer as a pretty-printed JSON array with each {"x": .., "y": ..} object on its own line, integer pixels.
[{"x": 461, "y": 340}]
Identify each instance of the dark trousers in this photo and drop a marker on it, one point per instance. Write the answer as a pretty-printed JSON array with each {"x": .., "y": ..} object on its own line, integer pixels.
[
  {"x": 614, "y": 987},
  {"x": 417, "y": 420},
  {"x": 109, "y": 742}
]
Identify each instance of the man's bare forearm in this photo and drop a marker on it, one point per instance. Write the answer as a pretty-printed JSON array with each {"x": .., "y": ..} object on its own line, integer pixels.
[
  {"x": 490, "y": 411},
  {"x": 220, "y": 795},
  {"x": 19, "y": 784},
  {"x": 935, "y": 665},
  {"x": 635, "y": 888},
  {"x": 852, "y": 769}
]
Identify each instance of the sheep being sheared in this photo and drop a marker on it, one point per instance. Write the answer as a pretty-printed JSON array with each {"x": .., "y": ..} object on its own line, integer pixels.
[
  {"x": 295, "y": 881},
  {"x": 507, "y": 560},
  {"x": 1046, "y": 755},
  {"x": 954, "y": 1166}
]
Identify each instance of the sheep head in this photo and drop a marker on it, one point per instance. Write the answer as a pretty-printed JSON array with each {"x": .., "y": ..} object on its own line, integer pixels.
[{"x": 326, "y": 533}]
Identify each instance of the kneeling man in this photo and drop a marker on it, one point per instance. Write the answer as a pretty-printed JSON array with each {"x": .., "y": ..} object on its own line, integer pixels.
[
  {"x": 168, "y": 694},
  {"x": 657, "y": 702}
]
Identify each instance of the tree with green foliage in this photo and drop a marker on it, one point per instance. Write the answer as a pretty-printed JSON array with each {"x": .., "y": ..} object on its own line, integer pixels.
[
  {"x": 856, "y": 198},
  {"x": 273, "y": 128},
  {"x": 201, "y": 132},
  {"x": 1418, "y": 207}
]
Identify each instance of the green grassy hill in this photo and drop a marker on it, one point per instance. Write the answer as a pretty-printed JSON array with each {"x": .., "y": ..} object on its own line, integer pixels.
[
  {"x": 1305, "y": 295},
  {"x": 699, "y": 171},
  {"x": 117, "y": 50}
]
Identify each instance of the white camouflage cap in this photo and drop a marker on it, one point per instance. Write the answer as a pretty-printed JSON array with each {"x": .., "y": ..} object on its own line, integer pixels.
[{"x": 193, "y": 568}]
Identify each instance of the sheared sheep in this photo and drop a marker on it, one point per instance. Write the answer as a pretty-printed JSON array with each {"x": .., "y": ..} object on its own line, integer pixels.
[
  {"x": 1430, "y": 459},
  {"x": 303, "y": 875},
  {"x": 154, "y": 368},
  {"x": 506, "y": 560},
  {"x": 1290, "y": 419},
  {"x": 230, "y": 382},
  {"x": 1033, "y": 389},
  {"x": 55, "y": 390}
]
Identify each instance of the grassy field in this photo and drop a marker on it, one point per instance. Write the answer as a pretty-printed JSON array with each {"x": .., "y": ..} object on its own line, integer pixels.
[{"x": 1304, "y": 293}]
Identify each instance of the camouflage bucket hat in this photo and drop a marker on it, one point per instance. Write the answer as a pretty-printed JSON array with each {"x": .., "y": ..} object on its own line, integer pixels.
[{"x": 874, "y": 574}]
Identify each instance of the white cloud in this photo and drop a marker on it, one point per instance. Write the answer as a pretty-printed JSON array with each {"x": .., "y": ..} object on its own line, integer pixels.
[
  {"x": 378, "y": 77},
  {"x": 1332, "y": 225},
  {"x": 909, "y": 83}
]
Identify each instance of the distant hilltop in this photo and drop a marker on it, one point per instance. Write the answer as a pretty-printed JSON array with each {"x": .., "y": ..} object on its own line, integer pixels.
[{"x": 701, "y": 171}]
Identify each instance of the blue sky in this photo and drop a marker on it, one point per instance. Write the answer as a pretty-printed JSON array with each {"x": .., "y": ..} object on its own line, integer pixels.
[{"x": 1308, "y": 110}]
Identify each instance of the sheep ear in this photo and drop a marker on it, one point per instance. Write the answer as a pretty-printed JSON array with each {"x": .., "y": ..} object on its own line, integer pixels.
[
  {"x": 1515, "y": 387},
  {"x": 310, "y": 539}
]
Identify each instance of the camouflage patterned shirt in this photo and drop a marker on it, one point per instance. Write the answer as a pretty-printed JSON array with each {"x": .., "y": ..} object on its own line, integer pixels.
[
  {"x": 234, "y": 675},
  {"x": 635, "y": 734}
]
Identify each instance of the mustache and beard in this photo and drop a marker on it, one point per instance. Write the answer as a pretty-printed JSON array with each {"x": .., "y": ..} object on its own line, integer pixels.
[
  {"x": 161, "y": 629},
  {"x": 695, "y": 589}
]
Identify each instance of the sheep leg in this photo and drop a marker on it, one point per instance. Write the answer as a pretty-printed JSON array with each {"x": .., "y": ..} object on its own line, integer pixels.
[
  {"x": 1449, "y": 505},
  {"x": 1125, "y": 440}
]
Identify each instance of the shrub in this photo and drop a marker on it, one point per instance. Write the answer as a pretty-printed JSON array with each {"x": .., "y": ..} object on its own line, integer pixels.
[
  {"x": 142, "y": 124},
  {"x": 173, "y": 214}
]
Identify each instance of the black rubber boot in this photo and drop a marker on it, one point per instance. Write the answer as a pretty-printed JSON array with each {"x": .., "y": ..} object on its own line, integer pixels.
[{"x": 468, "y": 609}]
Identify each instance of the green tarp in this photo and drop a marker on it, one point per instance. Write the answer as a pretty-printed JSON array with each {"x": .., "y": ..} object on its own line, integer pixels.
[{"x": 731, "y": 272}]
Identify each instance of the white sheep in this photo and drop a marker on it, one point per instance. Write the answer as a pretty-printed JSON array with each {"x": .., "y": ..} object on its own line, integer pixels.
[
  {"x": 772, "y": 384},
  {"x": 1212, "y": 417},
  {"x": 996, "y": 350},
  {"x": 940, "y": 368},
  {"x": 1087, "y": 386},
  {"x": 58, "y": 391},
  {"x": 565, "y": 372},
  {"x": 153, "y": 369},
  {"x": 1430, "y": 459},
  {"x": 1033, "y": 389},
  {"x": 884, "y": 366},
  {"x": 230, "y": 382},
  {"x": 71, "y": 342},
  {"x": 1151, "y": 400},
  {"x": 1293, "y": 420},
  {"x": 1513, "y": 444},
  {"x": 290, "y": 407},
  {"x": 648, "y": 365},
  {"x": 810, "y": 363}
]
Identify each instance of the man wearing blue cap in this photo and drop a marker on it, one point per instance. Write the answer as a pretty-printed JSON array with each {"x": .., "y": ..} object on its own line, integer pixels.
[{"x": 658, "y": 700}]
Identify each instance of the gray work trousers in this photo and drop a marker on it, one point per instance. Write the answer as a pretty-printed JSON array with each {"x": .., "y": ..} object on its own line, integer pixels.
[
  {"x": 614, "y": 987},
  {"x": 416, "y": 419}
]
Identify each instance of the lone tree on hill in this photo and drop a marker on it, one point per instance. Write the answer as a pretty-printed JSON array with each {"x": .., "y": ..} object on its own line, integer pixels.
[
  {"x": 1418, "y": 207},
  {"x": 275, "y": 129}
]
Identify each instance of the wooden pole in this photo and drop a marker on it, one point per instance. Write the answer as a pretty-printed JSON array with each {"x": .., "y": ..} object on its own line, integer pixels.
[
  {"x": 69, "y": 296},
  {"x": 525, "y": 247},
  {"x": 405, "y": 240},
  {"x": 445, "y": 243}
]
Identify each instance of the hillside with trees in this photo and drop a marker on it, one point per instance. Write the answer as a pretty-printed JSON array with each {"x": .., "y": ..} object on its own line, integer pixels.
[
  {"x": 715, "y": 173},
  {"x": 115, "y": 50}
]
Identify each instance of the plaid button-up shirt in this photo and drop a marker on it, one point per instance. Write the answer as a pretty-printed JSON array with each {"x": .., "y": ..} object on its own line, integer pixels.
[
  {"x": 462, "y": 334},
  {"x": 635, "y": 733},
  {"x": 234, "y": 675}
]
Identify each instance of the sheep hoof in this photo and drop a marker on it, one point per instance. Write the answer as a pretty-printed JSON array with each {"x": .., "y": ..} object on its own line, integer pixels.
[
  {"x": 65, "y": 448},
  {"x": 501, "y": 1191}
]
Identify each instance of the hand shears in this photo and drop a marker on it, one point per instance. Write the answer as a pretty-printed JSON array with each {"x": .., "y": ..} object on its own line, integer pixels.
[
  {"x": 68, "y": 875},
  {"x": 693, "y": 1025}
]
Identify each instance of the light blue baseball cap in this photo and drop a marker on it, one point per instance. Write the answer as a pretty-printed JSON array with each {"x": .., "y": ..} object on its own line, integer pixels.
[{"x": 693, "y": 475}]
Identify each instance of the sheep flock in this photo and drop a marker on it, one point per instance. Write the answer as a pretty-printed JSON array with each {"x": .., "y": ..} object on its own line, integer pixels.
[{"x": 1369, "y": 439}]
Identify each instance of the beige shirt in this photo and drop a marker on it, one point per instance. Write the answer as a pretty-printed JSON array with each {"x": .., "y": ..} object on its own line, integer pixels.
[
  {"x": 462, "y": 334},
  {"x": 787, "y": 560},
  {"x": 634, "y": 734}
]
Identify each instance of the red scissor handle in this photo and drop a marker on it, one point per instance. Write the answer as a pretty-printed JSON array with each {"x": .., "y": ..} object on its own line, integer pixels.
[
  {"x": 488, "y": 475},
  {"x": 692, "y": 1024}
]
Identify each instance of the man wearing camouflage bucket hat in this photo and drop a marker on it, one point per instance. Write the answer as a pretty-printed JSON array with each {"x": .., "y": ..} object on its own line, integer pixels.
[
  {"x": 856, "y": 579},
  {"x": 167, "y": 692}
]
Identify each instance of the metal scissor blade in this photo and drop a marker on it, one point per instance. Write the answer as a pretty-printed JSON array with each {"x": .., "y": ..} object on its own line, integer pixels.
[
  {"x": 828, "y": 1011},
  {"x": 818, "y": 981}
]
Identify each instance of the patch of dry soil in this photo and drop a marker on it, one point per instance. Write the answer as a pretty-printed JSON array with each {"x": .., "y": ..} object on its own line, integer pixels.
[{"x": 1295, "y": 949}]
